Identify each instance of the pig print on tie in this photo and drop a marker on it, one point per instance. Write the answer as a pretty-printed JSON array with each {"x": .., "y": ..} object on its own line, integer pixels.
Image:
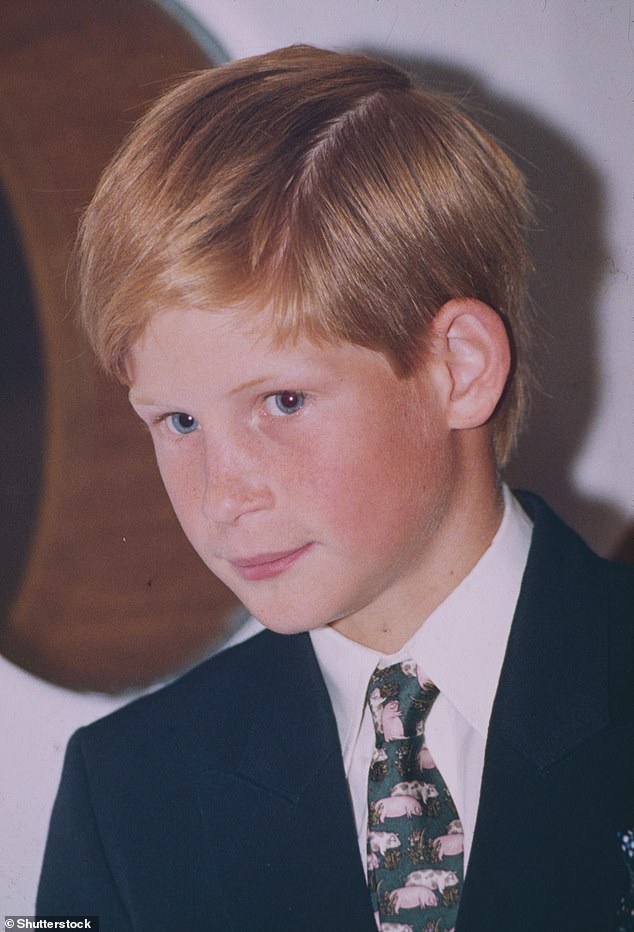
[
  {"x": 391, "y": 807},
  {"x": 412, "y": 897},
  {"x": 383, "y": 841},
  {"x": 392, "y": 725}
]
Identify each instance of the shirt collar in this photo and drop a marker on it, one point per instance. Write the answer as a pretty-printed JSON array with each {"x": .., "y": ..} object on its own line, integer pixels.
[
  {"x": 462, "y": 644},
  {"x": 467, "y": 632},
  {"x": 346, "y": 667}
]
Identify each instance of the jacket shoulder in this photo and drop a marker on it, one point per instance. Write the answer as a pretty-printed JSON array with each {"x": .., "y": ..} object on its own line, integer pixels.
[
  {"x": 570, "y": 652},
  {"x": 213, "y": 692},
  {"x": 554, "y": 541}
]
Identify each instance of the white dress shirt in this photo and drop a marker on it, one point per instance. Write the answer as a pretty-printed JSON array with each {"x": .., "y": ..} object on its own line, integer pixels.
[{"x": 460, "y": 647}]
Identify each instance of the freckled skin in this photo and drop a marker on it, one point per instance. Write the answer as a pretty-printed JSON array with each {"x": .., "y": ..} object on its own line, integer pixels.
[{"x": 361, "y": 477}]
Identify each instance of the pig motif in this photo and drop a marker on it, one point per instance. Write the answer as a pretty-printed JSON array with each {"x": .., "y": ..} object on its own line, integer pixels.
[
  {"x": 432, "y": 879},
  {"x": 396, "y": 927},
  {"x": 424, "y": 759},
  {"x": 452, "y": 843},
  {"x": 455, "y": 827},
  {"x": 383, "y": 841},
  {"x": 373, "y": 861},
  {"x": 391, "y": 807},
  {"x": 409, "y": 668},
  {"x": 391, "y": 723},
  {"x": 423, "y": 791},
  {"x": 412, "y": 897}
]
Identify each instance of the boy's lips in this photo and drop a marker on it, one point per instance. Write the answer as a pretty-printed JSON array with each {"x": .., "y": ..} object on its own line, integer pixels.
[{"x": 267, "y": 565}]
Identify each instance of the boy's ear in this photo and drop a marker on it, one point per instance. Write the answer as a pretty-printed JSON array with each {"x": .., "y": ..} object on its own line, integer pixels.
[{"x": 470, "y": 342}]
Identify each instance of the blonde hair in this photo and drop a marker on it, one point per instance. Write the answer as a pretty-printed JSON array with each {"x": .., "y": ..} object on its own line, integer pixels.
[{"x": 325, "y": 186}]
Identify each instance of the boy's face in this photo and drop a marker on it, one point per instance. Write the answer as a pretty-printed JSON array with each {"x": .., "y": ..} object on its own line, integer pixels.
[{"x": 310, "y": 479}]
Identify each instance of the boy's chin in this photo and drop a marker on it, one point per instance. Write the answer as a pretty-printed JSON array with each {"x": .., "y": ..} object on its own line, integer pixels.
[
  {"x": 288, "y": 623},
  {"x": 291, "y": 627}
]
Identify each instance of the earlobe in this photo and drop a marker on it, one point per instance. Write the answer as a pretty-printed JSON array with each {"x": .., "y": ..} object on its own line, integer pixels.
[{"x": 471, "y": 343}]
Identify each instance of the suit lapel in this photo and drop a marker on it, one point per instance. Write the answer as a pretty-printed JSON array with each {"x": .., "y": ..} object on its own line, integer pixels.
[
  {"x": 555, "y": 668},
  {"x": 279, "y": 810},
  {"x": 552, "y": 697}
]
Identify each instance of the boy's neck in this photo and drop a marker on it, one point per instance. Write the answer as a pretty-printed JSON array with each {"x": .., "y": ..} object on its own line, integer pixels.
[{"x": 468, "y": 531}]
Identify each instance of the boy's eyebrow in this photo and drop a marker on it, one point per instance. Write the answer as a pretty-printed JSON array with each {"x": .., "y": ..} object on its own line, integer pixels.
[
  {"x": 144, "y": 402},
  {"x": 243, "y": 386},
  {"x": 151, "y": 403},
  {"x": 252, "y": 383}
]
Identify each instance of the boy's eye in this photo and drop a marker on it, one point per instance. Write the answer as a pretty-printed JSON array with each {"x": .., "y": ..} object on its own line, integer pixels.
[
  {"x": 287, "y": 402},
  {"x": 181, "y": 423}
]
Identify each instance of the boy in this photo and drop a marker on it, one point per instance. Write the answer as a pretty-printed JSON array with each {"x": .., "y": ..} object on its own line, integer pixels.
[{"x": 311, "y": 276}]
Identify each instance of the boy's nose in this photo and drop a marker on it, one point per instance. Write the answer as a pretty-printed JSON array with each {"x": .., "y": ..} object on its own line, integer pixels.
[{"x": 229, "y": 495}]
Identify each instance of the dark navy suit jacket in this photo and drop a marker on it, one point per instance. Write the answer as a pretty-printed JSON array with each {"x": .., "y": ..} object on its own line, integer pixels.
[{"x": 220, "y": 802}]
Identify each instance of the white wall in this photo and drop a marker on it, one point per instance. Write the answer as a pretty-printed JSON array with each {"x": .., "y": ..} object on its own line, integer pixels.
[
  {"x": 558, "y": 76},
  {"x": 36, "y": 721}
]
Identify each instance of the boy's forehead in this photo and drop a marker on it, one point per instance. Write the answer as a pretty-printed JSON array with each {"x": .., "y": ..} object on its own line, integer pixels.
[
  {"x": 167, "y": 331},
  {"x": 233, "y": 350},
  {"x": 175, "y": 335}
]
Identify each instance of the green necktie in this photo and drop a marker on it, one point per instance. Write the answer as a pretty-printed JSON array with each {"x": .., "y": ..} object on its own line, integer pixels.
[{"x": 415, "y": 838}]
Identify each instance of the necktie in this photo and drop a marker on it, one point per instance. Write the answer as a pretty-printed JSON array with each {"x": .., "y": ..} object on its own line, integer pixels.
[{"x": 415, "y": 838}]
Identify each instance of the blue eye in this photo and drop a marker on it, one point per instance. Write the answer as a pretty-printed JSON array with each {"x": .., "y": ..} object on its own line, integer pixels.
[
  {"x": 181, "y": 423},
  {"x": 287, "y": 402}
]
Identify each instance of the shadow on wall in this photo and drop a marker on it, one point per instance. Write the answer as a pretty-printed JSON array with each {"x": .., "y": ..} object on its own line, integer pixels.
[{"x": 570, "y": 260}]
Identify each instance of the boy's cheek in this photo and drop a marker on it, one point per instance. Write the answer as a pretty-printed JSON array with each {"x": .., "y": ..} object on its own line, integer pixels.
[{"x": 183, "y": 488}]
